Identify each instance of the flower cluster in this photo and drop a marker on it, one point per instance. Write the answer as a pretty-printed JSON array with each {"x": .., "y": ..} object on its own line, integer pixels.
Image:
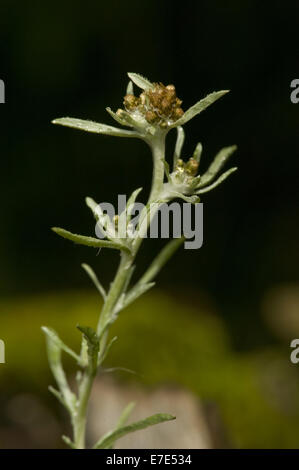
[
  {"x": 154, "y": 112},
  {"x": 158, "y": 104}
]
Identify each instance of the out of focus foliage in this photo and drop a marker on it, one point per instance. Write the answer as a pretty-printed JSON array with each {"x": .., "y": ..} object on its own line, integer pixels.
[{"x": 164, "y": 341}]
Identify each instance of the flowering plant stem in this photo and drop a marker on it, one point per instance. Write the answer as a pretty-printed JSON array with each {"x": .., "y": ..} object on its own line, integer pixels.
[
  {"x": 151, "y": 116},
  {"x": 116, "y": 289}
]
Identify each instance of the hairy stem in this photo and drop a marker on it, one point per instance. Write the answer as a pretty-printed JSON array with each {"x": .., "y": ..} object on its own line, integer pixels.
[
  {"x": 158, "y": 151},
  {"x": 79, "y": 420},
  {"x": 115, "y": 291}
]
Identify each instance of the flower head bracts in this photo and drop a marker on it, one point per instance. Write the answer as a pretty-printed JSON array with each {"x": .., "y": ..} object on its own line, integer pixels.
[
  {"x": 158, "y": 104},
  {"x": 184, "y": 182}
]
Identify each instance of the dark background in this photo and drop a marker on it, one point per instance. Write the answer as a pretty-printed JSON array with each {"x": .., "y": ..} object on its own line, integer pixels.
[{"x": 68, "y": 58}]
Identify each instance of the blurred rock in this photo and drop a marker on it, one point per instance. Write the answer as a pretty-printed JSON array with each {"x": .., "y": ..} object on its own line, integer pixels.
[
  {"x": 188, "y": 431},
  {"x": 280, "y": 308},
  {"x": 31, "y": 424}
]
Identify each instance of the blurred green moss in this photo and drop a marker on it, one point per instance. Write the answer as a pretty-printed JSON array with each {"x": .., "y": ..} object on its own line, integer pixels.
[{"x": 164, "y": 341}]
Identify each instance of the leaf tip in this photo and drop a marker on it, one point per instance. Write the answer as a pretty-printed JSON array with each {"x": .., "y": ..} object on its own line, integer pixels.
[
  {"x": 88, "y": 200},
  {"x": 58, "y": 121},
  {"x": 170, "y": 417}
]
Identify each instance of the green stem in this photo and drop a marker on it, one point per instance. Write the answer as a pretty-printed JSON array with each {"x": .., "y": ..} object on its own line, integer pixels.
[
  {"x": 80, "y": 415},
  {"x": 79, "y": 418},
  {"x": 116, "y": 289},
  {"x": 158, "y": 151}
]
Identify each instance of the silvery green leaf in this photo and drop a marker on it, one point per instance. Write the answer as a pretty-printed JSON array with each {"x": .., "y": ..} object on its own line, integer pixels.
[
  {"x": 192, "y": 199},
  {"x": 89, "y": 241},
  {"x": 161, "y": 259},
  {"x": 106, "y": 350},
  {"x": 136, "y": 121},
  {"x": 136, "y": 292},
  {"x": 217, "y": 182},
  {"x": 55, "y": 338},
  {"x": 195, "y": 182},
  {"x": 197, "y": 152},
  {"x": 178, "y": 145},
  {"x": 129, "y": 277},
  {"x": 126, "y": 119},
  {"x": 125, "y": 415},
  {"x": 140, "y": 81},
  {"x": 116, "y": 369},
  {"x": 91, "y": 126},
  {"x": 120, "y": 119},
  {"x": 108, "y": 439},
  {"x": 54, "y": 358},
  {"x": 57, "y": 395},
  {"x": 118, "y": 307},
  {"x": 94, "y": 207},
  {"x": 104, "y": 220},
  {"x": 199, "y": 107},
  {"x": 218, "y": 162},
  {"x": 90, "y": 272},
  {"x": 130, "y": 89},
  {"x": 131, "y": 202},
  {"x": 93, "y": 342},
  {"x": 68, "y": 441}
]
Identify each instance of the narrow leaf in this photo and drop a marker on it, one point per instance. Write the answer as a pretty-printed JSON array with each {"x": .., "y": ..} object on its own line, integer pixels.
[
  {"x": 118, "y": 118},
  {"x": 90, "y": 272},
  {"x": 176, "y": 194},
  {"x": 140, "y": 81},
  {"x": 108, "y": 439},
  {"x": 91, "y": 126},
  {"x": 199, "y": 107},
  {"x": 57, "y": 394},
  {"x": 55, "y": 338},
  {"x": 125, "y": 415},
  {"x": 126, "y": 119},
  {"x": 218, "y": 162},
  {"x": 106, "y": 350},
  {"x": 93, "y": 342},
  {"x": 131, "y": 202},
  {"x": 107, "y": 228},
  {"x": 134, "y": 293},
  {"x": 116, "y": 369},
  {"x": 54, "y": 357},
  {"x": 89, "y": 241},
  {"x": 197, "y": 152},
  {"x": 68, "y": 441},
  {"x": 160, "y": 260},
  {"x": 93, "y": 206},
  {"x": 217, "y": 182},
  {"x": 129, "y": 277},
  {"x": 130, "y": 89}
]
